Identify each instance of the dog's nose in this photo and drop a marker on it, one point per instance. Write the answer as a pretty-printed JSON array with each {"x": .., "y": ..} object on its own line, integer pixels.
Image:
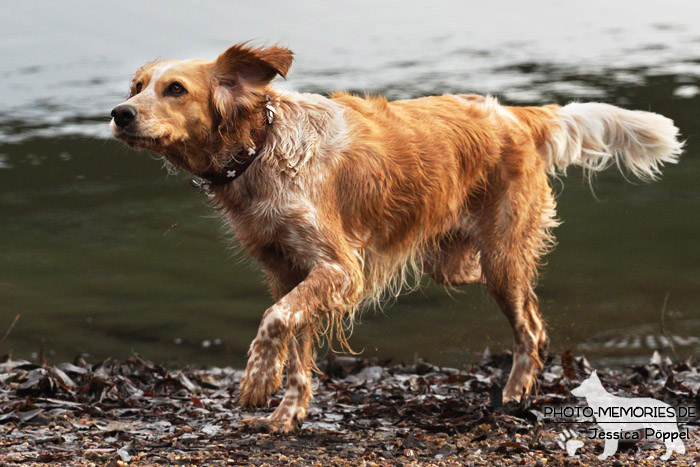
[{"x": 123, "y": 115}]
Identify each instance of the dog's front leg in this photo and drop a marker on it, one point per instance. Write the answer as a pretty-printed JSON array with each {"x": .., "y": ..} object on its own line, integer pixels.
[
  {"x": 329, "y": 288},
  {"x": 291, "y": 411}
]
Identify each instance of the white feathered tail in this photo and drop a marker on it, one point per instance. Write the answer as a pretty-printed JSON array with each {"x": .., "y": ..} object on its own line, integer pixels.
[{"x": 594, "y": 135}]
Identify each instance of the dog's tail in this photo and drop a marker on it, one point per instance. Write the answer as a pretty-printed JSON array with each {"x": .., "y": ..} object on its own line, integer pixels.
[{"x": 595, "y": 135}]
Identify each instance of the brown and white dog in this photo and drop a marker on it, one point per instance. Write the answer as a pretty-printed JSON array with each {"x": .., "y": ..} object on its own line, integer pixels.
[{"x": 339, "y": 198}]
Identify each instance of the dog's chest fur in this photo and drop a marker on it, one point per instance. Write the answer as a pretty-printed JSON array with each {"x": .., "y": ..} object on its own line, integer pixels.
[{"x": 277, "y": 205}]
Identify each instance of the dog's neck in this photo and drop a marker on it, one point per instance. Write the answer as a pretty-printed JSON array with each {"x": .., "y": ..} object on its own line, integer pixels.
[
  {"x": 304, "y": 126},
  {"x": 239, "y": 161}
]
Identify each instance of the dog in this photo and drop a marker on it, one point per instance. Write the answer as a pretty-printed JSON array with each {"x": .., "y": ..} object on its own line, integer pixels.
[
  {"x": 340, "y": 199},
  {"x": 618, "y": 414}
]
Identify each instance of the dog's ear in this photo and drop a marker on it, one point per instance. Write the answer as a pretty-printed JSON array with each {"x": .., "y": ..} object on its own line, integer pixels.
[
  {"x": 253, "y": 66},
  {"x": 239, "y": 78}
]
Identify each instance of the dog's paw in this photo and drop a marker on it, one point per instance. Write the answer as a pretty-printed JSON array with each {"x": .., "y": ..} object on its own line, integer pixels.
[
  {"x": 271, "y": 424},
  {"x": 286, "y": 418},
  {"x": 257, "y": 387}
]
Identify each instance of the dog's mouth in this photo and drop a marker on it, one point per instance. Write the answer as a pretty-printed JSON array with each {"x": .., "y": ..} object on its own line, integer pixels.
[{"x": 138, "y": 141}]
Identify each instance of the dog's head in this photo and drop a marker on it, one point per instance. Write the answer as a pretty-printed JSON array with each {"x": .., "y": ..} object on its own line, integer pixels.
[
  {"x": 193, "y": 110},
  {"x": 588, "y": 387}
]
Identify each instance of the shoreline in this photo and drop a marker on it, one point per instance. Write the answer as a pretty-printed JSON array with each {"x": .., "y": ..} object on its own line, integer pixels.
[{"x": 134, "y": 412}]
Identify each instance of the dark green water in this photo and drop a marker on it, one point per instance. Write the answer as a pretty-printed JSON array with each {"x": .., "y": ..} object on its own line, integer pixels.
[{"x": 101, "y": 252}]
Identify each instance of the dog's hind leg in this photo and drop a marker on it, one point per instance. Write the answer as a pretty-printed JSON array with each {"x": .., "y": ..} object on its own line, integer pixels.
[{"x": 513, "y": 233}]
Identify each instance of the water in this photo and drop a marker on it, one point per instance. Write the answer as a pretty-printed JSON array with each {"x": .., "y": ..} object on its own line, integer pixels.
[{"x": 101, "y": 252}]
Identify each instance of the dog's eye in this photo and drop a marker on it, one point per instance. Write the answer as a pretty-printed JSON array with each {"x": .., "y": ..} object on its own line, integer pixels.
[
  {"x": 135, "y": 89},
  {"x": 176, "y": 89}
]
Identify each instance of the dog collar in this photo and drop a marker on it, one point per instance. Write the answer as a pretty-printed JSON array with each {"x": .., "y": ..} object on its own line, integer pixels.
[{"x": 240, "y": 161}]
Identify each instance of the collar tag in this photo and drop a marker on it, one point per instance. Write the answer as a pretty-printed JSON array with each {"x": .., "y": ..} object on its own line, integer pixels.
[
  {"x": 202, "y": 187},
  {"x": 269, "y": 113}
]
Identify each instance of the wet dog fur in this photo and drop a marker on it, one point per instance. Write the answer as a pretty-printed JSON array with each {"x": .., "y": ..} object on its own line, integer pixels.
[{"x": 349, "y": 196}]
